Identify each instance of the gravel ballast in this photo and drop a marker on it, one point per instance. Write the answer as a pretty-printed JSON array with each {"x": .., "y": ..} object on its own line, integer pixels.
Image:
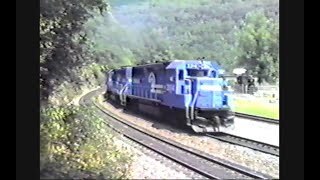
[
  {"x": 147, "y": 164},
  {"x": 255, "y": 160}
]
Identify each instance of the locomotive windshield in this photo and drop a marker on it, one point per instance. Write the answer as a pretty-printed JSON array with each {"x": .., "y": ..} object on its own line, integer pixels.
[{"x": 197, "y": 72}]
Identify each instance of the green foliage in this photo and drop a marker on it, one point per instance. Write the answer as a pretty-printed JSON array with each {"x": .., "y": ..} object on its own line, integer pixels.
[
  {"x": 93, "y": 71},
  {"x": 89, "y": 76},
  {"x": 258, "y": 45},
  {"x": 63, "y": 43},
  {"x": 77, "y": 144},
  {"x": 148, "y": 31},
  {"x": 75, "y": 34}
]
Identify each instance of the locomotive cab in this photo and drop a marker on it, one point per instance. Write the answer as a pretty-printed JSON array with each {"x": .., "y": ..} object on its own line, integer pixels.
[{"x": 207, "y": 100}]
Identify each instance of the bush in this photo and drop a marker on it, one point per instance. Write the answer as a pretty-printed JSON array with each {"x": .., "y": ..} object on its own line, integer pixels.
[
  {"x": 74, "y": 143},
  {"x": 90, "y": 76}
]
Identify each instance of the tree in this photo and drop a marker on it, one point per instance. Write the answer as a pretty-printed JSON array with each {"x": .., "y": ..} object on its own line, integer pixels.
[
  {"x": 163, "y": 29},
  {"x": 62, "y": 40},
  {"x": 258, "y": 46}
]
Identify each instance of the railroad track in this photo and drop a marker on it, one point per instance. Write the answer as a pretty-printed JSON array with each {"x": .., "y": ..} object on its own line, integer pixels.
[
  {"x": 257, "y": 118},
  {"x": 199, "y": 162},
  {"x": 249, "y": 143}
]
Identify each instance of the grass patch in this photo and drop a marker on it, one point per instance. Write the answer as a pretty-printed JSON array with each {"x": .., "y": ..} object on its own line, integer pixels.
[{"x": 256, "y": 107}]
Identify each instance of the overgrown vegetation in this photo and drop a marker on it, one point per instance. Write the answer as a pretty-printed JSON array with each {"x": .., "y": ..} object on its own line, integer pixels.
[
  {"x": 80, "y": 40},
  {"x": 77, "y": 144},
  {"x": 74, "y": 144},
  {"x": 63, "y": 43}
]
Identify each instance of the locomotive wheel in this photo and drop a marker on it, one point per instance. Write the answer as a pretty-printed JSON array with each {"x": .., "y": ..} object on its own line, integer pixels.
[{"x": 216, "y": 123}]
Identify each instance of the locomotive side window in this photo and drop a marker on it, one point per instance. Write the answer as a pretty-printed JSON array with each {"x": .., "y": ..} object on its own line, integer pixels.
[
  {"x": 213, "y": 74},
  {"x": 197, "y": 73},
  {"x": 180, "y": 74}
]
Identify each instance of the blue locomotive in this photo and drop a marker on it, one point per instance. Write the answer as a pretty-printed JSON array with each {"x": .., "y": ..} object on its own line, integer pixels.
[{"x": 189, "y": 92}]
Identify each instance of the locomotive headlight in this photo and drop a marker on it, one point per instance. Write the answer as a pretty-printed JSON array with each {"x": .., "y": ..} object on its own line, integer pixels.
[{"x": 210, "y": 88}]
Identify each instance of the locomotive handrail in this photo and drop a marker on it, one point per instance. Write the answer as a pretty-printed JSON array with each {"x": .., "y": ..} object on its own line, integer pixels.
[
  {"x": 122, "y": 94},
  {"x": 188, "y": 103},
  {"x": 193, "y": 102}
]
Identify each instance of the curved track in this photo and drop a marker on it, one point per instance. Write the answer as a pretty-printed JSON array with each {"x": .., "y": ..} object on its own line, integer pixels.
[{"x": 203, "y": 164}]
